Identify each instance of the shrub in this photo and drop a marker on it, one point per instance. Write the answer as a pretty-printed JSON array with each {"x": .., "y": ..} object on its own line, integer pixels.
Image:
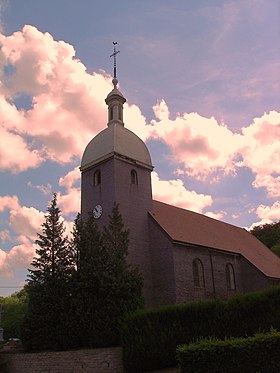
[
  {"x": 253, "y": 354},
  {"x": 150, "y": 337}
]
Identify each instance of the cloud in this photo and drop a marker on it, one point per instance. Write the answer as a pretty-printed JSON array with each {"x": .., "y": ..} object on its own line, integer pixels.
[
  {"x": 15, "y": 154},
  {"x": 136, "y": 122},
  {"x": 70, "y": 202},
  {"x": 26, "y": 221},
  {"x": 68, "y": 105},
  {"x": 5, "y": 235},
  {"x": 216, "y": 215},
  {"x": 262, "y": 152},
  {"x": 8, "y": 202},
  {"x": 206, "y": 149},
  {"x": 70, "y": 178},
  {"x": 269, "y": 212},
  {"x": 23, "y": 220},
  {"x": 19, "y": 257},
  {"x": 201, "y": 145},
  {"x": 174, "y": 192},
  {"x": 44, "y": 189},
  {"x": 271, "y": 183}
]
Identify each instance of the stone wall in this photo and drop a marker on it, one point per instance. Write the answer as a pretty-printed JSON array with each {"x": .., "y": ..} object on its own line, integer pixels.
[{"x": 102, "y": 360}]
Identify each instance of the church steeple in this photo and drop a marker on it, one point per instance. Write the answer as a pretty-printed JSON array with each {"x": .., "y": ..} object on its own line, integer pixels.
[{"x": 115, "y": 99}]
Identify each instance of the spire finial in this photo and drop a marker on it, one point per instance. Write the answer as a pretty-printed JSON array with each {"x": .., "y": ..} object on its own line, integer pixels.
[{"x": 115, "y": 80}]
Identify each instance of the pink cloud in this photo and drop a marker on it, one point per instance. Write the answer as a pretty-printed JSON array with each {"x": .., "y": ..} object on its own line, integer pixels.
[
  {"x": 5, "y": 269},
  {"x": 174, "y": 192},
  {"x": 262, "y": 152},
  {"x": 15, "y": 154},
  {"x": 69, "y": 180},
  {"x": 204, "y": 147},
  {"x": 19, "y": 257},
  {"x": 68, "y": 105},
  {"x": 23, "y": 220},
  {"x": 44, "y": 189},
  {"x": 8, "y": 202},
  {"x": 216, "y": 215},
  {"x": 5, "y": 235},
  {"x": 201, "y": 144},
  {"x": 269, "y": 212},
  {"x": 26, "y": 221},
  {"x": 70, "y": 202},
  {"x": 271, "y": 183}
]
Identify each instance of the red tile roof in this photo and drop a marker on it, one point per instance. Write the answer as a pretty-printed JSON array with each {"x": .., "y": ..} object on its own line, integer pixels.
[{"x": 192, "y": 228}]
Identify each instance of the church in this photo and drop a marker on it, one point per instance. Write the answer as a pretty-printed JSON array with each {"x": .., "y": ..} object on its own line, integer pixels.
[{"x": 183, "y": 255}]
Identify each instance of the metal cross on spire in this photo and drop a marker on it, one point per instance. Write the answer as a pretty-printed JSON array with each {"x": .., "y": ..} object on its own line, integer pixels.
[{"x": 115, "y": 81}]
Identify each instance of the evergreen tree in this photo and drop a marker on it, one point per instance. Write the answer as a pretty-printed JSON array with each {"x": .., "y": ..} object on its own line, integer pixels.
[
  {"x": 107, "y": 288},
  {"x": 87, "y": 246},
  {"x": 45, "y": 325},
  {"x": 79, "y": 292},
  {"x": 53, "y": 258},
  {"x": 126, "y": 283}
]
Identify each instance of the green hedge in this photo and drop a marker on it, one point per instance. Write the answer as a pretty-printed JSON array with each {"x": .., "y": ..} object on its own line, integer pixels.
[
  {"x": 253, "y": 354},
  {"x": 150, "y": 337}
]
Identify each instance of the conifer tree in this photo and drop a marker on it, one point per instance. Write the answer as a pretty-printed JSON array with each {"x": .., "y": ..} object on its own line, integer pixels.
[
  {"x": 126, "y": 283},
  {"x": 107, "y": 289},
  {"x": 87, "y": 245},
  {"x": 53, "y": 258},
  {"x": 45, "y": 325},
  {"x": 110, "y": 288}
]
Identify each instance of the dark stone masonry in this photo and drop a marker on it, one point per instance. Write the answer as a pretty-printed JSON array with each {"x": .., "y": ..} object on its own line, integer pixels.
[{"x": 102, "y": 360}]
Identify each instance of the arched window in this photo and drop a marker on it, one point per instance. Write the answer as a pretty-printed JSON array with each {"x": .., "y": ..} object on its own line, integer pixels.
[
  {"x": 198, "y": 274},
  {"x": 97, "y": 178},
  {"x": 230, "y": 278},
  {"x": 134, "y": 177}
]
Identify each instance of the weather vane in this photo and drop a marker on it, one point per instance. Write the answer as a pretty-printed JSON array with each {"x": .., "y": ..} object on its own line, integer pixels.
[{"x": 115, "y": 59}]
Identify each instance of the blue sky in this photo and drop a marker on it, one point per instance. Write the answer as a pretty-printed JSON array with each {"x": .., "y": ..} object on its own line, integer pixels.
[{"x": 202, "y": 83}]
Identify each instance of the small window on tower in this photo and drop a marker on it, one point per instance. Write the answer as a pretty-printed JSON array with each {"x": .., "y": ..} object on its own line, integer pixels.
[
  {"x": 97, "y": 178},
  {"x": 134, "y": 178}
]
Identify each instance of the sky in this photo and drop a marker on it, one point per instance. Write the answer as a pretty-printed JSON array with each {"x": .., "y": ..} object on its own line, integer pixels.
[{"x": 202, "y": 83}]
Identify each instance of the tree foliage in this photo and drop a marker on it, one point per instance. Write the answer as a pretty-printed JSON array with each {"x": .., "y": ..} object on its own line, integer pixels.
[
  {"x": 80, "y": 291},
  {"x": 269, "y": 234},
  {"x": 14, "y": 309},
  {"x": 49, "y": 285},
  {"x": 107, "y": 288},
  {"x": 53, "y": 258}
]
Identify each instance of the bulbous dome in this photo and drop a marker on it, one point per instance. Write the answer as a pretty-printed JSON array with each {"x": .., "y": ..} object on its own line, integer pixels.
[{"x": 116, "y": 140}]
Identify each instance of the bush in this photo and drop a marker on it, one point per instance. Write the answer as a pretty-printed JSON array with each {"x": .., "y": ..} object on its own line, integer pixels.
[
  {"x": 14, "y": 310},
  {"x": 150, "y": 337},
  {"x": 253, "y": 354}
]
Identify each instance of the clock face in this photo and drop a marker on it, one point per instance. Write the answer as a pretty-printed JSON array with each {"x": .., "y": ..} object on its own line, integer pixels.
[{"x": 97, "y": 211}]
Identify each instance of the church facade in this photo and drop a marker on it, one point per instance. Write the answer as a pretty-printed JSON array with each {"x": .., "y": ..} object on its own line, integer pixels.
[{"x": 182, "y": 255}]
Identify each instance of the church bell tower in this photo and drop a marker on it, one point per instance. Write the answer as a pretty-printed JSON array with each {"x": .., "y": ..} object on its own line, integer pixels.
[{"x": 116, "y": 167}]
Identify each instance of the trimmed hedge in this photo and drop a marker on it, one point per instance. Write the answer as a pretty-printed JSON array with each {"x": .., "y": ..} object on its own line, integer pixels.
[
  {"x": 150, "y": 337},
  {"x": 253, "y": 354}
]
